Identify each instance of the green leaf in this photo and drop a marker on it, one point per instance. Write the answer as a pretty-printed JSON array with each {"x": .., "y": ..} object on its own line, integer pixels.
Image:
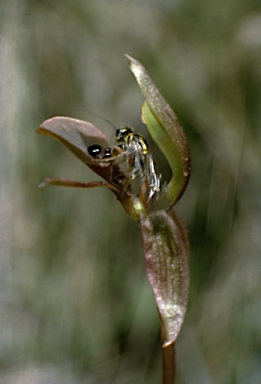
[{"x": 166, "y": 130}]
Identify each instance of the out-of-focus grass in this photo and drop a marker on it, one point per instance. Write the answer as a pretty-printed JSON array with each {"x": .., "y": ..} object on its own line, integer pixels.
[{"x": 75, "y": 301}]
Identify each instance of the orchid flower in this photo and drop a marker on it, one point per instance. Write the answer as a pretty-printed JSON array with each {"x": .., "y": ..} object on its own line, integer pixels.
[{"x": 164, "y": 235}]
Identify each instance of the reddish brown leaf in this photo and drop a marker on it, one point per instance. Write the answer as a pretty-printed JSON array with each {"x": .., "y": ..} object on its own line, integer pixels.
[{"x": 167, "y": 263}]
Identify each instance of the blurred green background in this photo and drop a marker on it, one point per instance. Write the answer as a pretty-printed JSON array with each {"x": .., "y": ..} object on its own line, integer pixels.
[{"x": 76, "y": 306}]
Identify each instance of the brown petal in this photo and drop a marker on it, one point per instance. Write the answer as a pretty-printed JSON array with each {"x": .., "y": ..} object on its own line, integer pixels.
[{"x": 78, "y": 135}]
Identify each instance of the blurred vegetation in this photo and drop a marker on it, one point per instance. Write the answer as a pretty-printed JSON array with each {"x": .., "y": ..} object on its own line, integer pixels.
[{"x": 76, "y": 305}]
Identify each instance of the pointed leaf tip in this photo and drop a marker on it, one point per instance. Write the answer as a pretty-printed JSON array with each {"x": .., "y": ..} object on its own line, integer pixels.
[{"x": 166, "y": 130}]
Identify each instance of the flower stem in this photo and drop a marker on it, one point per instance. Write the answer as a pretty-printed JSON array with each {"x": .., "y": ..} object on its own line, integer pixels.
[{"x": 168, "y": 364}]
